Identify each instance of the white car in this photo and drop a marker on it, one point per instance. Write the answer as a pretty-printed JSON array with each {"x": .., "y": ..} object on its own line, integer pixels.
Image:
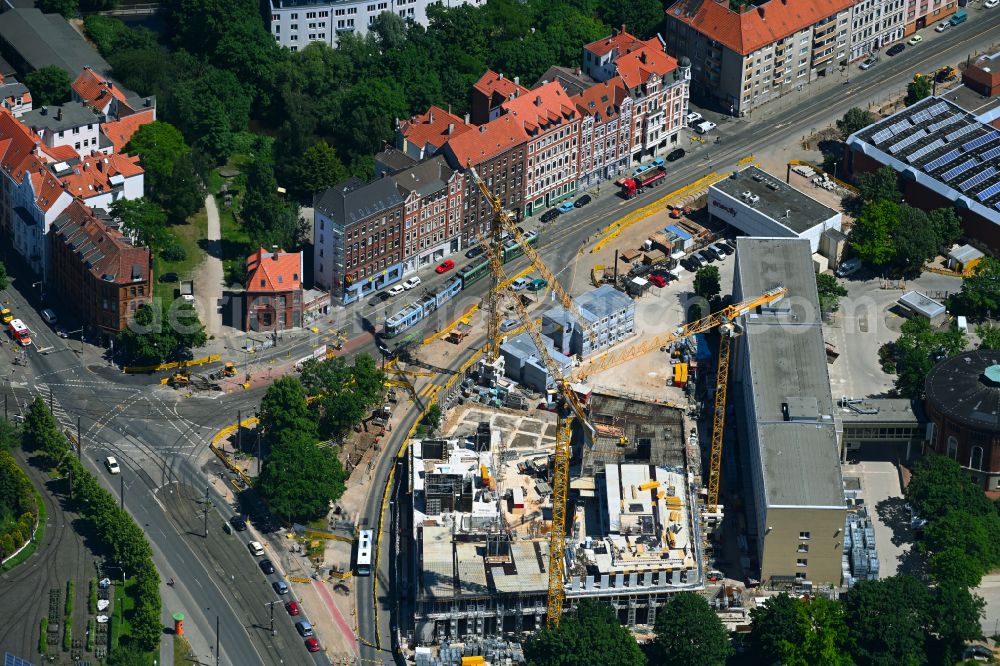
[
  {"x": 112, "y": 465},
  {"x": 868, "y": 63},
  {"x": 692, "y": 118},
  {"x": 396, "y": 289},
  {"x": 916, "y": 39},
  {"x": 704, "y": 127},
  {"x": 519, "y": 284},
  {"x": 990, "y": 4},
  {"x": 942, "y": 26},
  {"x": 411, "y": 283}
]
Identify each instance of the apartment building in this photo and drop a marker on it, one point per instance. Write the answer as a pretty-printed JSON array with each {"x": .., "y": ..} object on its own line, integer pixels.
[
  {"x": 433, "y": 195},
  {"x": 876, "y": 24},
  {"x": 746, "y": 58},
  {"x": 498, "y": 150},
  {"x": 489, "y": 94},
  {"x": 296, "y": 23},
  {"x": 657, "y": 84},
  {"x": 14, "y": 95},
  {"x": 922, "y": 13},
  {"x": 423, "y": 135},
  {"x": 97, "y": 272},
  {"x": 274, "y": 291},
  {"x": 605, "y": 131}
]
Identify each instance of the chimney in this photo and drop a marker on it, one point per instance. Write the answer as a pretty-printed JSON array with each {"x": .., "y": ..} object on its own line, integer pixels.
[
  {"x": 59, "y": 113},
  {"x": 760, "y": 10},
  {"x": 578, "y": 71},
  {"x": 517, "y": 80},
  {"x": 45, "y": 110},
  {"x": 467, "y": 119},
  {"x": 642, "y": 57},
  {"x": 500, "y": 76},
  {"x": 623, "y": 29},
  {"x": 538, "y": 100},
  {"x": 100, "y": 165},
  {"x": 482, "y": 129},
  {"x": 431, "y": 117},
  {"x": 451, "y": 128}
]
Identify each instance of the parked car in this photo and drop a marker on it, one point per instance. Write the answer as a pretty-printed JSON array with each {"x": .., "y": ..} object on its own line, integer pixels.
[
  {"x": 304, "y": 628},
  {"x": 256, "y": 548},
  {"x": 380, "y": 297},
  {"x": 658, "y": 280},
  {"x": 707, "y": 256},
  {"x": 704, "y": 127},
  {"x": 895, "y": 49},
  {"x": 445, "y": 266},
  {"x": 266, "y": 566},
  {"x": 112, "y": 465},
  {"x": 716, "y": 252},
  {"x": 725, "y": 247},
  {"x": 698, "y": 260},
  {"x": 942, "y": 26},
  {"x": 280, "y": 586},
  {"x": 537, "y": 285},
  {"x": 396, "y": 289},
  {"x": 239, "y": 523},
  {"x": 550, "y": 215},
  {"x": 693, "y": 118},
  {"x": 519, "y": 284},
  {"x": 509, "y": 325},
  {"x": 292, "y": 607},
  {"x": 658, "y": 162},
  {"x": 168, "y": 277},
  {"x": 49, "y": 317},
  {"x": 990, "y": 4},
  {"x": 916, "y": 39},
  {"x": 676, "y": 155},
  {"x": 565, "y": 206},
  {"x": 474, "y": 252},
  {"x": 412, "y": 282},
  {"x": 582, "y": 201},
  {"x": 312, "y": 645},
  {"x": 849, "y": 267},
  {"x": 868, "y": 63}
]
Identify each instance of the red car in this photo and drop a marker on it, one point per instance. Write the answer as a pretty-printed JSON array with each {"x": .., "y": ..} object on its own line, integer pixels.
[
  {"x": 446, "y": 266},
  {"x": 292, "y": 608},
  {"x": 658, "y": 280},
  {"x": 312, "y": 645}
]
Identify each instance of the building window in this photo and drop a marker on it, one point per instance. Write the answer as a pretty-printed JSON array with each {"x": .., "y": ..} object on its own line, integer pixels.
[
  {"x": 953, "y": 448},
  {"x": 801, "y": 562},
  {"x": 804, "y": 535},
  {"x": 976, "y": 459},
  {"x": 803, "y": 548}
]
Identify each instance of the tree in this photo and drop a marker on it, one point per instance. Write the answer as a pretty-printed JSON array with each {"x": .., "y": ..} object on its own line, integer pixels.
[
  {"x": 389, "y": 30},
  {"x": 880, "y": 185},
  {"x": 947, "y": 226},
  {"x": 872, "y": 233},
  {"x": 689, "y": 632},
  {"x": 917, "y": 89},
  {"x": 111, "y": 35},
  {"x": 887, "y": 620},
  {"x": 854, "y": 120},
  {"x": 707, "y": 282},
  {"x": 319, "y": 166},
  {"x": 267, "y": 218},
  {"x": 433, "y": 418},
  {"x": 185, "y": 328},
  {"x": 40, "y": 432},
  {"x": 774, "y": 626},
  {"x": 284, "y": 408},
  {"x": 917, "y": 349},
  {"x": 590, "y": 635},
  {"x": 939, "y": 485},
  {"x": 830, "y": 292},
  {"x": 128, "y": 654},
  {"x": 4, "y": 280},
  {"x": 640, "y": 17},
  {"x": 343, "y": 393},
  {"x": 159, "y": 146},
  {"x": 142, "y": 220},
  {"x": 67, "y": 8},
  {"x": 157, "y": 333},
  {"x": 181, "y": 193},
  {"x": 915, "y": 237},
  {"x": 980, "y": 293},
  {"x": 989, "y": 337},
  {"x": 300, "y": 478},
  {"x": 955, "y": 620},
  {"x": 49, "y": 85}
]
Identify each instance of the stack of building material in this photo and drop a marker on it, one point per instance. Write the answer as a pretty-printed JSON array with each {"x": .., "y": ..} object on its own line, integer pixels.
[{"x": 860, "y": 560}]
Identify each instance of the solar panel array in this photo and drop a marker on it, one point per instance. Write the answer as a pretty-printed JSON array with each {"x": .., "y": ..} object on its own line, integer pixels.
[
  {"x": 11, "y": 660},
  {"x": 990, "y": 191},
  {"x": 961, "y": 168},
  {"x": 908, "y": 141},
  {"x": 944, "y": 159},
  {"x": 922, "y": 116},
  {"x": 950, "y": 120},
  {"x": 979, "y": 141},
  {"x": 938, "y": 108},
  {"x": 991, "y": 153},
  {"x": 920, "y": 152},
  {"x": 901, "y": 126},
  {"x": 881, "y": 136},
  {"x": 960, "y": 132},
  {"x": 969, "y": 183}
]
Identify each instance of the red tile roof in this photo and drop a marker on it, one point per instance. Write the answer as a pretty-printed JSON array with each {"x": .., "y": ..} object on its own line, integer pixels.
[
  {"x": 755, "y": 27},
  {"x": 542, "y": 108},
  {"x": 433, "y": 127},
  {"x": 112, "y": 254},
  {"x": 95, "y": 90},
  {"x": 274, "y": 271},
  {"x": 16, "y": 141},
  {"x": 119, "y": 132},
  {"x": 603, "y": 99},
  {"x": 92, "y": 176},
  {"x": 621, "y": 41},
  {"x": 637, "y": 66},
  {"x": 492, "y": 83},
  {"x": 487, "y": 141}
]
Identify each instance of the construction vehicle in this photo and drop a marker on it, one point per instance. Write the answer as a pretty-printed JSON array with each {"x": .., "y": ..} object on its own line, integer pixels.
[
  {"x": 6, "y": 316},
  {"x": 676, "y": 212},
  {"x": 630, "y": 187},
  {"x": 229, "y": 369},
  {"x": 946, "y": 73},
  {"x": 180, "y": 379}
]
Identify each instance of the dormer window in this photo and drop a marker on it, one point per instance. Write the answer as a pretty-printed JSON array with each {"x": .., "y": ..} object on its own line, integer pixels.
[{"x": 262, "y": 283}]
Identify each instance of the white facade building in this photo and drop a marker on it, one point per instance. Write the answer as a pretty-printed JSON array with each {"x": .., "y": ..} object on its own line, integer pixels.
[
  {"x": 876, "y": 24},
  {"x": 295, "y": 23}
]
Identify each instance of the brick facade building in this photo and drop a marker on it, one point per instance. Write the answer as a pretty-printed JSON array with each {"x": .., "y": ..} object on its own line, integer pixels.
[{"x": 273, "y": 299}]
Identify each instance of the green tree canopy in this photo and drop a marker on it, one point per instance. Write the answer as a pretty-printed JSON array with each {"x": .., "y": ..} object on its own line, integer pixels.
[
  {"x": 980, "y": 295},
  {"x": 284, "y": 408},
  {"x": 156, "y": 334},
  {"x": 267, "y": 218},
  {"x": 68, "y": 8},
  {"x": 300, "y": 478},
  {"x": 590, "y": 635},
  {"x": 989, "y": 337},
  {"x": 4, "y": 280},
  {"x": 344, "y": 394},
  {"x": 880, "y": 185},
  {"x": 917, "y": 89},
  {"x": 854, "y": 120},
  {"x": 143, "y": 220},
  {"x": 872, "y": 233},
  {"x": 887, "y": 621},
  {"x": 49, "y": 85},
  {"x": 159, "y": 146},
  {"x": 917, "y": 349},
  {"x": 830, "y": 292},
  {"x": 111, "y": 35},
  {"x": 319, "y": 166},
  {"x": 707, "y": 282},
  {"x": 642, "y": 18},
  {"x": 689, "y": 632}
]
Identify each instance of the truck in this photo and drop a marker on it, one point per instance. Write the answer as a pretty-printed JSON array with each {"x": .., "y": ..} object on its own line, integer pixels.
[
  {"x": 958, "y": 17},
  {"x": 632, "y": 186}
]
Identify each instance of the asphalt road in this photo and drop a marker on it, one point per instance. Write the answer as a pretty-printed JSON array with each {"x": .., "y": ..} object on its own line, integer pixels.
[{"x": 160, "y": 437}]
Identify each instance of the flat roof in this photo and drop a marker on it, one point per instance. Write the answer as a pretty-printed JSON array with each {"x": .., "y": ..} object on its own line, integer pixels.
[
  {"x": 786, "y": 357},
  {"x": 777, "y": 200},
  {"x": 60, "y": 118},
  {"x": 943, "y": 147},
  {"x": 964, "y": 254},
  {"x": 921, "y": 304},
  {"x": 960, "y": 389},
  {"x": 885, "y": 410},
  {"x": 48, "y": 39}
]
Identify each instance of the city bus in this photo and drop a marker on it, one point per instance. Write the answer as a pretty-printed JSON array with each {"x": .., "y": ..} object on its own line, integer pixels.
[
  {"x": 363, "y": 562},
  {"x": 19, "y": 332}
]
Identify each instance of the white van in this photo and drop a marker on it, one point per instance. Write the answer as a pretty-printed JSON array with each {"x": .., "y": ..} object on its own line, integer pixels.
[
  {"x": 705, "y": 127},
  {"x": 962, "y": 324},
  {"x": 49, "y": 316}
]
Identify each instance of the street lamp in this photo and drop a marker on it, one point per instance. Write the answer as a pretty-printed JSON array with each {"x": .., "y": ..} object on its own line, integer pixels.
[{"x": 39, "y": 285}]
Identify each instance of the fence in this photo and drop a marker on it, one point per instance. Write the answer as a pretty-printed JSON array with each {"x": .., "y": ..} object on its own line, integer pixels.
[{"x": 135, "y": 369}]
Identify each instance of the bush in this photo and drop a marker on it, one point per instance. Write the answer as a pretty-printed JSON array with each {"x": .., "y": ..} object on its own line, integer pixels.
[
  {"x": 174, "y": 252},
  {"x": 92, "y": 597},
  {"x": 43, "y": 641},
  {"x": 91, "y": 632},
  {"x": 68, "y": 637},
  {"x": 69, "y": 600}
]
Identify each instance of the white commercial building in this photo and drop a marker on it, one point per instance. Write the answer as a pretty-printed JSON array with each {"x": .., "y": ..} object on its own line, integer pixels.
[
  {"x": 295, "y": 23},
  {"x": 759, "y": 204},
  {"x": 876, "y": 24}
]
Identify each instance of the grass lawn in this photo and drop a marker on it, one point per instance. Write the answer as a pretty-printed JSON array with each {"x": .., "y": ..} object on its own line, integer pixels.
[
  {"x": 182, "y": 650},
  {"x": 39, "y": 535},
  {"x": 188, "y": 236},
  {"x": 123, "y": 606},
  {"x": 236, "y": 245}
]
